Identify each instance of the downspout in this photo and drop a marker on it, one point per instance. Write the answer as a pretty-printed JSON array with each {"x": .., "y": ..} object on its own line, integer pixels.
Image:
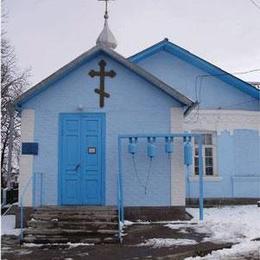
[{"x": 190, "y": 108}]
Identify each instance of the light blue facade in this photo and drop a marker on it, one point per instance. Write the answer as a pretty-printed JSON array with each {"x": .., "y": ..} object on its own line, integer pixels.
[
  {"x": 238, "y": 168},
  {"x": 134, "y": 106},
  {"x": 186, "y": 78},
  {"x": 238, "y": 153}
]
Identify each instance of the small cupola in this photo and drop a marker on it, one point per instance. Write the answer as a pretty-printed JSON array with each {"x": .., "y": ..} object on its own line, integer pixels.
[{"x": 106, "y": 37}]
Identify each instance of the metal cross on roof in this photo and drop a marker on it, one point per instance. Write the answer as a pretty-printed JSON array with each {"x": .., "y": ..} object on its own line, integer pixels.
[
  {"x": 102, "y": 74},
  {"x": 106, "y": 5}
]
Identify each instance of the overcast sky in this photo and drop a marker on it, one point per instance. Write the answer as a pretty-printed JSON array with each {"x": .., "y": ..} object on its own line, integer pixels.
[{"x": 47, "y": 34}]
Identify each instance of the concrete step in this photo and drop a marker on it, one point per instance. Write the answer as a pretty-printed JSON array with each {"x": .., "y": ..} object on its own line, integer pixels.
[
  {"x": 62, "y": 231},
  {"x": 75, "y": 217},
  {"x": 37, "y": 239},
  {"x": 85, "y": 225},
  {"x": 62, "y": 224},
  {"x": 76, "y": 214},
  {"x": 65, "y": 209}
]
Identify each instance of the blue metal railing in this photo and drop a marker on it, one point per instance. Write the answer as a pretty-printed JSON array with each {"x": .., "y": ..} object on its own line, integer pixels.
[
  {"x": 120, "y": 200},
  {"x": 38, "y": 189},
  {"x": 36, "y": 193},
  {"x": 120, "y": 193},
  {"x": 119, "y": 211}
]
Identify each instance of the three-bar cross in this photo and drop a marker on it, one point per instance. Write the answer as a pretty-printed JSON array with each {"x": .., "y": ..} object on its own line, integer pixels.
[{"x": 102, "y": 74}]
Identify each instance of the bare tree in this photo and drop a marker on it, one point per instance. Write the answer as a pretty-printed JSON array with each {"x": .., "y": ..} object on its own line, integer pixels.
[{"x": 13, "y": 83}]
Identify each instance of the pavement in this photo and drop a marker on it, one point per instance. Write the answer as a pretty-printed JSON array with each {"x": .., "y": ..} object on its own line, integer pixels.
[{"x": 130, "y": 249}]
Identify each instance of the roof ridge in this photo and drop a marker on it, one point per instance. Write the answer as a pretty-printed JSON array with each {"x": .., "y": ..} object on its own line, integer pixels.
[
  {"x": 119, "y": 58},
  {"x": 223, "y": 75}
]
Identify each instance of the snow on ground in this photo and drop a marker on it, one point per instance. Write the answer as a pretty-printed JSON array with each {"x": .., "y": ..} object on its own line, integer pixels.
[
  {"x": 140, "y": 222},
  {"x": 167, "y": 242},
  {"x": 69, "y": 244},
  {"x": 236, "y": 224},
  {"x": 244, "y": 250},
  {"x": 127, "y": 223},
  {"x": 229, "y": 224},
  {"x": 8, "y": 225}
]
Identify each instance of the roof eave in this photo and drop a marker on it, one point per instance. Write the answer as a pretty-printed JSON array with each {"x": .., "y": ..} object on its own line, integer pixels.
[
  {"x": 212, "y": 69},
  {"x": 80, "y": 59}
]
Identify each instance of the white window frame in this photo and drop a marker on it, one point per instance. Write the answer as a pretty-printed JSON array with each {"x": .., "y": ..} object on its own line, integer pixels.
[{"x": 214, "y": 157}]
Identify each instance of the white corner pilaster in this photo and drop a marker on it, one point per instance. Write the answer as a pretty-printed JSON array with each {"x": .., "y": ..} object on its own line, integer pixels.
[
  {"x": 177, "y": 161},
  {"x": 26, "y": 161}
]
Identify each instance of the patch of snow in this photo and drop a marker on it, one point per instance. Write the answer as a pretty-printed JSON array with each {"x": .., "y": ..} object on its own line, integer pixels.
[
  {"x": 32, "y": 245},
  {"x": 121, "y": 224},
  {"x": 167, "y": 242},
  {"x": 183, "y": 231},
  {"x": 139, "y": 221},
  {"x": 8, "y": 226},
  {"x": 128, "y": 223},
  {"x": 71, "y": 245},
  {"x": 83, "y": 254},
  {"x": 229, "y": 224},
  {"x": 180, "y": 226},
  {"x": 23, "y": 252},
  {"x": 6, "y": 206},
  {"x": 184, "y": 222},
  {"x": 239, "y": 251}
]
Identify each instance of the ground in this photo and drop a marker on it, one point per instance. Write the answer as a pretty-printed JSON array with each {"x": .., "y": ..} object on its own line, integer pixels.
[{"x": 226, "y": 233}]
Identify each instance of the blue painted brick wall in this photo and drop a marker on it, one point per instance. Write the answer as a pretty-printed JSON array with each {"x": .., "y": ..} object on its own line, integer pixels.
[
  {"x": 135, "y": 106},
  {"x": 183, "y": 76},
  {"x": 238, "y": 157}
]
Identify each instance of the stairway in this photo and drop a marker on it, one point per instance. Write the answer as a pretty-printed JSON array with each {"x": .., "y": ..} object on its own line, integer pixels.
[{"x": 75, "y": 224}]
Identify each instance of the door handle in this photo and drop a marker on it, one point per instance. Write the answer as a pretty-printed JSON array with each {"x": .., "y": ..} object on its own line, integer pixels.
[{"x": 77, "y": 167}]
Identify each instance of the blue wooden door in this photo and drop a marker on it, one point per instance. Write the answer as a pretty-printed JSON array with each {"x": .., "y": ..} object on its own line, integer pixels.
[{"x": 81, "y": 159}]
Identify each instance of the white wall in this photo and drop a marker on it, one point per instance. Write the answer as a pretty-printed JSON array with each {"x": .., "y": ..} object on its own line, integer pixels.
[
  {"x": 177, "y": 162},
  {"x": 222, "y": 120},
  {"x": 26, "y": 161}
]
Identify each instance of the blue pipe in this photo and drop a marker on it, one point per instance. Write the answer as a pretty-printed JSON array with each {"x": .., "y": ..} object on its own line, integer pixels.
[
  {"x": 21, "y": 220},
  {"x": 121, "y": 181},
  {"x": 200, "y": 178},
  {"x": 21, "y": 206},
  {"x": 159, "y": 135},
  {"x": 120, "y": 190},
  {"x": 41, "y": 201},
  {"x": 118, "y": 211}
]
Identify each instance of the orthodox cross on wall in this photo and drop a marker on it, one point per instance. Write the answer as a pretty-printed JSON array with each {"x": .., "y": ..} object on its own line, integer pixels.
[{"x": 102, "y": 73}]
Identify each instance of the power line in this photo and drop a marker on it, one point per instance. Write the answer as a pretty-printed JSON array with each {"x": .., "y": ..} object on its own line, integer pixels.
[
  {"x": 199, "y": 78},
  {"x": 227, "y": 74},
  {"x": 255, "y": 4},
  {"x": 246, "y": 72},
  {"x": 198, "y": 88}
]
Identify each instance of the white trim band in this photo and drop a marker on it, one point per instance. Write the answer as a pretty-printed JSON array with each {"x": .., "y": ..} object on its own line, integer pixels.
[{"x": 222, "y": 120}]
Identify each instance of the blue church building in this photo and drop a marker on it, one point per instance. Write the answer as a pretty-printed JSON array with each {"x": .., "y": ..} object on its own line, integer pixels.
[{"x": 72, "y": 119}]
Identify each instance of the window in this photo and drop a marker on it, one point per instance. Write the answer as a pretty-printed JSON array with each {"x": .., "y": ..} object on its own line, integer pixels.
[{"x": 208, "y": 154}]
